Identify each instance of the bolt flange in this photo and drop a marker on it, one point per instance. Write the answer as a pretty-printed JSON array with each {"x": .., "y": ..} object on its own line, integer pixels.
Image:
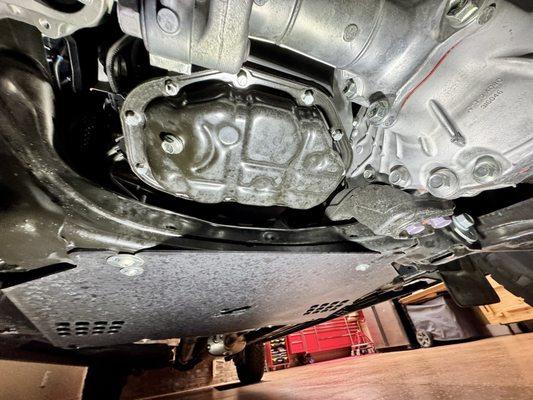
[
  {"x": 378, "y": 112},
  {"x": 308, "y": 97},
  {"x": 443, "y": 183},
  {"x": 486, "y": 169},
  {"x": 399, "y": 176}
]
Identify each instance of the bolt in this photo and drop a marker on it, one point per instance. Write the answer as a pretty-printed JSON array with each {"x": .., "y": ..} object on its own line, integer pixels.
[
  {"x": 440, "y": 222},
  {"x": 308, "y": 98},
  {"x": 369, "y": 174},
  {"x": 461, "y": 12},
  {"x": 362, "y": 267},
  {"x": 242, "y": 78},
  {"x": 486, "y": 15},
  {"x": 415, "y": 229},
  {"x": 442, "y": 183},
  {"x": 168, "y": 20},
  {"x": 486, "y": 169},
  {"x": 171, "y": 88},
  {"x": 133, "y": 118},
  {"x": 463, "y": 221},
  {"x": 350, "y": 89},
  {"x": 172, "y": 144},
  {"x": 399, "y": 176},
  {"x": 336, "y": 134},
  {"x": 129, "y": 264},
  {"x": 378, "y": 112}
]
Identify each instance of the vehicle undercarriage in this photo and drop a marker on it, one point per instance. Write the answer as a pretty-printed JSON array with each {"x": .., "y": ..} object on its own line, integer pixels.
[{"x": 227, "y": 172}]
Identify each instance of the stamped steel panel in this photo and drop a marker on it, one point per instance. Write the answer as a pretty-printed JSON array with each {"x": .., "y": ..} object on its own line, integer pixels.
[{"x": 191, "y": 294}]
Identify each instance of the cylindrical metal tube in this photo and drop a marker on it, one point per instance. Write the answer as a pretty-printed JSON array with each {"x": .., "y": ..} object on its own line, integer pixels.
[{"x": 337, "y": 32}]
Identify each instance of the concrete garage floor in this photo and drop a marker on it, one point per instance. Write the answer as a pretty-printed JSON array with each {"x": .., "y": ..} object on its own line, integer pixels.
[{"x": 496, "y": 368}]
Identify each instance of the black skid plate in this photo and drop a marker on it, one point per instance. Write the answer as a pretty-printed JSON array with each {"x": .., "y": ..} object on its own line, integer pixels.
[{"x": 193, "y": 294}]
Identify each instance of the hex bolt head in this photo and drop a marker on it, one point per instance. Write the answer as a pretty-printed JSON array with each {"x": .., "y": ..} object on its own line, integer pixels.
[
  {"x": 171, "y": 88},
  {"x": 378, "y": 112},
  {"x": 442, "y": 183},
  {"x": 369, "y": 174},
  {"x": 350, "y": 89},
  {"x": 172, "y": 144},
  {"x": 463, "y": 221},
  {"x": 399, "y": 176},
  {"x": 461, "y": 12},
  {"x": 308, "y": 97},
  {"x": 336, "y": 134},
  {"x": 168, "y": 21},
  {"x": 486, "y": 169},
  {"x": 486, "y": 14},
  {"x": 242, "y": 79}
]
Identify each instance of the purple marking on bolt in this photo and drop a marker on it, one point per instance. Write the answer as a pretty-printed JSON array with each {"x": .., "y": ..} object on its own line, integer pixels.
[
  {"x": 415, "y": 228},
  {"x": 440, "y": 222}
]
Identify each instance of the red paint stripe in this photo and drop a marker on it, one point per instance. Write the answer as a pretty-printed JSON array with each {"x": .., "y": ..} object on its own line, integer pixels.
[{"x": 439, "y": 63}]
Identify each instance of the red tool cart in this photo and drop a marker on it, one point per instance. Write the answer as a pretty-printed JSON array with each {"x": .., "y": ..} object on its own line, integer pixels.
[
  {"x": 342, "y": 332},
  {"x": 276, "y": 354}
]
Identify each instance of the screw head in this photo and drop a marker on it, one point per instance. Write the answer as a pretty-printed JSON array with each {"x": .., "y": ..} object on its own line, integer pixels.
[
  {"x": 442, "y": 183},
  {"x": 308, "y": 97},
  {"x": 378, "y": 112},
  {"x": 172, "y": 144},
  {"x": 486, "y": 169},
  {"x": 336, "y": 134},
  {"x": 171, "y": 88},
  {"x": 463, "y": 221},
  {"x": 168, "y": 20}
]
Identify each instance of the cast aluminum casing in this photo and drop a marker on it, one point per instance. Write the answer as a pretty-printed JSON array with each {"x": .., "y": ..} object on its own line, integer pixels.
[{"x": 478, "y": 84}]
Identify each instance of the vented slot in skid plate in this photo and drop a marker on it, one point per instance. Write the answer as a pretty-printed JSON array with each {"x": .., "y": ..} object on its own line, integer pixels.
[
  {"x": 326, "y": 307},
  {"x": 85, "y": 328}
]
